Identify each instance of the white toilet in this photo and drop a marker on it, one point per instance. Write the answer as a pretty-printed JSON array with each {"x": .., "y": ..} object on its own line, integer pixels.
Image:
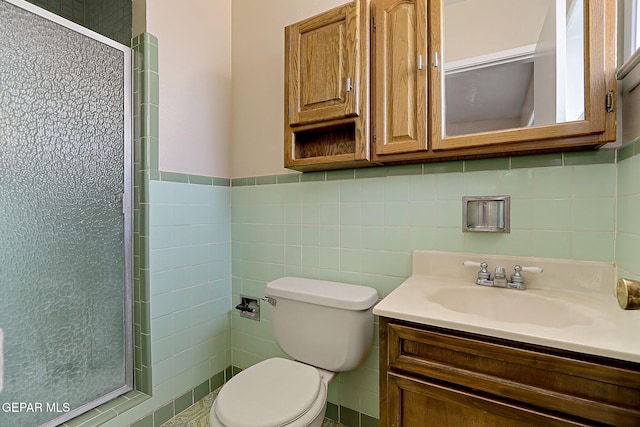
[{"x": 327, "y": 327}]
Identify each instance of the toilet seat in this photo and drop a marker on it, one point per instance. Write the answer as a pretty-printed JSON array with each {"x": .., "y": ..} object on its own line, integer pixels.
[{"x": 275, "y": 392}]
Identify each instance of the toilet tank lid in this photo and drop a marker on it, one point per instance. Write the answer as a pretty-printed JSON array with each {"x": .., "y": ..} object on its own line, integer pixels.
[{"x": 323, "y": 292}]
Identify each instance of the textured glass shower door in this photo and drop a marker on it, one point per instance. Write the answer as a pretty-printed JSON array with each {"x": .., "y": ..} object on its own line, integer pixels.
[{"x": 64, "y": 234}]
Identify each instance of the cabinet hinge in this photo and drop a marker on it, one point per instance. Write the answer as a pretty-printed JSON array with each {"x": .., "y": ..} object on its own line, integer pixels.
[
  {"x": 610, "y": 102},
  {"x": 374, "y": 134},
  {"x": 373, "y": 24}
]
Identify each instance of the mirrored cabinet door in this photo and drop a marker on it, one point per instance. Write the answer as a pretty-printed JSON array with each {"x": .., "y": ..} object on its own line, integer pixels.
[{"x": 518, "y": 71}]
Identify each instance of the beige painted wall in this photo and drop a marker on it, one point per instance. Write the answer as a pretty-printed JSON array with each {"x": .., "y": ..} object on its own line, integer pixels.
[
  {"x": 258, "y": 87},
  {"x": 194, "y": 38},
  {"x": 246, "y": 140}
]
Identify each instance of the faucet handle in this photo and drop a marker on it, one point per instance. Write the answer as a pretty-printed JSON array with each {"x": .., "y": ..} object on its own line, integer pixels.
[
  {"x": 518, "y": 279},
  {"x": 530, "y": 269},
  {"x": 483, "y": 273}
]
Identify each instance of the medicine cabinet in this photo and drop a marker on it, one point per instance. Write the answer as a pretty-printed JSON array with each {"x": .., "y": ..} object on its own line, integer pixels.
[{"x": 448, "y": 79}]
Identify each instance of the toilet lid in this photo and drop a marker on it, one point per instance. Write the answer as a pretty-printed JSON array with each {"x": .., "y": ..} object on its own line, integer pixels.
[{"x": 271, "y": 393}]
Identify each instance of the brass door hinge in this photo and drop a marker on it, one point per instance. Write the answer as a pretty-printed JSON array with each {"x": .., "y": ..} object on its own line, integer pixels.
[{"x": 610, "y": 102}]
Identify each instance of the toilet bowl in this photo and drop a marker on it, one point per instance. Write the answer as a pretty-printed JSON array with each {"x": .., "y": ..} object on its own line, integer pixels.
[
  {"x": 326, "y": 328},
  {"x": 274, "y": 392}
]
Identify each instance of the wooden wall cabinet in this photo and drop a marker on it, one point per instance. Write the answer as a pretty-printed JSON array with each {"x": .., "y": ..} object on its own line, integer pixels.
[
  {"x": 408, "y": 93},
  {"x": 437, "y": 377},
  {"x": 365, "y": 82},
  {"x": 327, "y": 89}
]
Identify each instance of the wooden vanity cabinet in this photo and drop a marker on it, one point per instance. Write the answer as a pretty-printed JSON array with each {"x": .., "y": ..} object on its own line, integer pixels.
[
  {"x": 408, "y": 90},
  {"x": 327, "y": 89},
  {"x": 431, "y": 376}
]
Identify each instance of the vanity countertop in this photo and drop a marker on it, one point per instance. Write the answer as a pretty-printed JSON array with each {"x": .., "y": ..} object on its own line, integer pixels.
[{"x": 571, "y": 305}]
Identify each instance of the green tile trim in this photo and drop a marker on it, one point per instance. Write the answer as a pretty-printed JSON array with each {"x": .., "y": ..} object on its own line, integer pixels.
[
  {"x": 162, "y": 415},
  {"x": 266, "y": 180},
  {"x": 174, "y": 177},
  {"x": 91, "y": 418},
  {"x": 595, "y": 157},
  {"x": 625, "y": 152},
  {"x": 109, "y": 410},
  {"x": 367, "y": 421},
  {"x": 183, "y": 178},
  {"x": 629, "y": 150},
  {"x": 288, "y": 178},
  {"x": 200, "y": 180},
  {"x": 216, "y": 381},
  {"x": 349, "y": 417},
  {"x": 239, "y": 182},
  {"x": 148, "y": 38},
  {"x": 536, "y": 161},
  {"x": 606, "y": 156},
  {"x": 313, "y": 176},
  {"x": 375, "y": 172},
  {"x": 221, "y": 182},
  {"x": 340, "y": 174},
  {"x": 332, "y": 412},
  {"x": 443, "y": 167},
  {"x": 146, "y": 125},
  {"x": 183, "y": 402},
  {"x": 499, "y": 163},
  {"x": 404, "y": 170},
  {"x": 201, "y": 390},
  {"x": 144, "y": 422}
]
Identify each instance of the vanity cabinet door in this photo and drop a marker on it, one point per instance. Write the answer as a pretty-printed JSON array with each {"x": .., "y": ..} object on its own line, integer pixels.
[
  {"x": 400, "y": 58},
  {"x": 418, "y": 403},
  {"x": 542, "y": 380}
]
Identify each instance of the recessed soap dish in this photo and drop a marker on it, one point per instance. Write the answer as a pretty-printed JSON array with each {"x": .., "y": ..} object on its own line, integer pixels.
[{"x": 486, "y": 214}]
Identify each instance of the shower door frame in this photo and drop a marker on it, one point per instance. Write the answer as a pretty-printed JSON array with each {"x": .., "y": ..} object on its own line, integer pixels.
[{"x": 127, "y": 205}]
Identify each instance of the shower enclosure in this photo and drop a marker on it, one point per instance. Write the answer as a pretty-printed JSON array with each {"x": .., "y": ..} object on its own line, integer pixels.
[{"x": 65, "y": 217}]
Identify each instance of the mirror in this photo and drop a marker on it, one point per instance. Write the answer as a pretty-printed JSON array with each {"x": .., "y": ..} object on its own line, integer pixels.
[{"x": 511, "y": 64}]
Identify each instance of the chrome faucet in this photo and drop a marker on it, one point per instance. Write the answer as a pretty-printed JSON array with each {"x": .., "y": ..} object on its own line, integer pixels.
[{"x": 516, "y": 281}]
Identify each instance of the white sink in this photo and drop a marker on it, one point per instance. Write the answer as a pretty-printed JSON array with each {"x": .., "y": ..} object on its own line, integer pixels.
[
  {"x": 507, "y": 305},
  {"x": 571, "y": 305}
]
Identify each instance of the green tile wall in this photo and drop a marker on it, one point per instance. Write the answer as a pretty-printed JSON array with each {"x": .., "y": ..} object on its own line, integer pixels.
[
  {"x": 628, "y": 225},
  {"x": 363, "y": 231}
]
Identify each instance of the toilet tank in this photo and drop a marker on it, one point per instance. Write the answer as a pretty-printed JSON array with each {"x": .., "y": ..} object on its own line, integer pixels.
[{"x": 325, "y": 324}]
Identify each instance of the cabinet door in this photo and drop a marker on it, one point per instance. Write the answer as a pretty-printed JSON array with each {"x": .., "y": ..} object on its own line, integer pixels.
[
  {"x": 550, "y": 94},
  {"x": 400, "y": 81},
  {"x": 321, "y": 70},
  {"x": 416, "y": 403}
]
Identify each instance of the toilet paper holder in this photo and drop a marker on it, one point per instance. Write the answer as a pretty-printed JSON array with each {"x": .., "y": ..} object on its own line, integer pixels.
[{"x": 249, "y": 307}]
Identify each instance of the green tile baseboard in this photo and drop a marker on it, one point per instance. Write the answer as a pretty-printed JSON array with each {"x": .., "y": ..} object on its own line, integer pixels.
[
  {"x": 182, "y": 402},
  {"x": 109, "y": 410},
  {"x": 338, "y": 413}
]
